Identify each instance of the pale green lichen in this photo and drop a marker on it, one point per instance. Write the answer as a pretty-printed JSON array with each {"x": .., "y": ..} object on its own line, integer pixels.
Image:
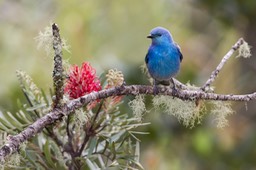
[
  {"x": 14, "y": 159},
  {"x": 192, "y": 86},
  {"x": 187, "y": 112},
  {"x": 246, "y": 106},
  {"x": 44, "y": 41},
  {"x": 82, "y": 117},
  {"x": 66, "y": 66},
  {"x": 244, "y": 50},
  {"x": 65, "y": 45},
  {"x": 144, "y": 70},
  {"x": 11, "y": 162},
  {"x": 138, "y": 107},
  {"x": 23, "y": 146},
  {"x": 221, "y": 110}
]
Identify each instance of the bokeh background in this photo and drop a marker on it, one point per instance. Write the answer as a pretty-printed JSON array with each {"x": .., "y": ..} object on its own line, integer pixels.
[{"x": 112, "y": 34}]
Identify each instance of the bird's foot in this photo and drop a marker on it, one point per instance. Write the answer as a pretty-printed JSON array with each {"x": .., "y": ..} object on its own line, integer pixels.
[
  {"x": 155, "y": 90},
  {"x": 174, "y": 91}
]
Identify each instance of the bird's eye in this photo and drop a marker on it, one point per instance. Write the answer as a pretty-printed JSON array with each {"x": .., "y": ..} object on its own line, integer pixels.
[{"x": 158, "y": 35}]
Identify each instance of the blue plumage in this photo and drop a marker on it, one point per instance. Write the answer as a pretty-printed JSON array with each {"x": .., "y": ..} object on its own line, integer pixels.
[{"x": 163, "y": 57}]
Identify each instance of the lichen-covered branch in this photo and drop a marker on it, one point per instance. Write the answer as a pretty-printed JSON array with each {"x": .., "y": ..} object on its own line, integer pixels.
[
  {"x": 222, "y": 63},
  {"x": 13, "y": 142},
  {"x": 58, "y": 69}
]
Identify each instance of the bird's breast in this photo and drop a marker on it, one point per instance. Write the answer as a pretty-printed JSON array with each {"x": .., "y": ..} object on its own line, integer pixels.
[{"x": 163, "y": 62}]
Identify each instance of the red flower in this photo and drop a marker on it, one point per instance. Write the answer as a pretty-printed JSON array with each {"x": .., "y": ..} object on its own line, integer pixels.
[{"x": 82, "y": 81}]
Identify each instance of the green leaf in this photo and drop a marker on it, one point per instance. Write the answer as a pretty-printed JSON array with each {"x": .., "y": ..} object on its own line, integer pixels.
[
  {"x": 51, "y": 92},
  {"x": 41, "y": 162},
  {"x": 4, "y": 128},
  {"x": 137, "y": 164},
  {"x": 117, "y": 136},
  {"x": 60, "y": 164},
  {"x": 90, "y": 164},
  {"x": 137, "y": 152},
  {"x": 28, "y": 157},
  {"x": 25, "y": 115},
  {"x": 92, "y": 145},
  {"x": 13, "y": 121},
  {"x": 36, "y": 107},
  {"x": 45, "y": 97},
  {"x": 102, "y": 164},
  {"x": 20, "y": 119},
  {"x": 122, "y": 142},
  {"x": 9, "y": 131},
  {"x": 48, "y": 155},
  {"x": 113, "y": 150},
  {"x": 105, "y": 147},
  {"x": 140, "y": 133},
  {"x": 7, "y": 125}
]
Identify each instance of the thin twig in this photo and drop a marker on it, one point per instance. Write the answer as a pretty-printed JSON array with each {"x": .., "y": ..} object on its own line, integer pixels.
[
  {"x": 97, "y": 114},
  {"x": 69, "y": 147},
  {"x": 90, "y": 131},
  {"x": 69, "y": 132},
  {"x": 222, "y": 63},
  {"x": 86, "y": 139}
]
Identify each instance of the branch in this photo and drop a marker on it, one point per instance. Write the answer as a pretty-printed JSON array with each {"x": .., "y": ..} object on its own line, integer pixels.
[
  {"x": 223, "y": 61},
  {"x": 185, "y": 93},
  {"x": 13, "y": 142},
  {"x": 58, "y": 69}
]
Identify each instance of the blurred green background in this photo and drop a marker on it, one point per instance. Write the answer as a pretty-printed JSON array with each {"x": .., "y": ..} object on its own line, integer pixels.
[{"x": 112, "y": 34}]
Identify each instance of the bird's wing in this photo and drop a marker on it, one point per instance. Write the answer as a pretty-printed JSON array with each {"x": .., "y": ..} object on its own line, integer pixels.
[
  {"x": 179, "y": 50},
  {"x": 146, "y": 58}
]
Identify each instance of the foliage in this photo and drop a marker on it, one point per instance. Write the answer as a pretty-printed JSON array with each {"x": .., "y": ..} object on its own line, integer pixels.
[
  {"x": 186, "y": 111},
  {"x": 91, "y": 138},
  {"x": 138, "y": 106},
  {"x": 221, "y": 110},
  {"x": 44, "y": 41}
]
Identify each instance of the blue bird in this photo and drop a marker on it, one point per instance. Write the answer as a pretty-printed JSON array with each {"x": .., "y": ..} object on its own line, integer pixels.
[{"x": 163, "y": 57}]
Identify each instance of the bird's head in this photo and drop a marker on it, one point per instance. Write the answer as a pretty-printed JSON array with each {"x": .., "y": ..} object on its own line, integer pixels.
[{"x": 160, "y": 35}]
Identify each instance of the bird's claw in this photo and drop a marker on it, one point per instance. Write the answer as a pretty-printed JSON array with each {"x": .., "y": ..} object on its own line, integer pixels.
[
  {"x": 174, "y": 91},
  {"x": 155, "y": 90}
]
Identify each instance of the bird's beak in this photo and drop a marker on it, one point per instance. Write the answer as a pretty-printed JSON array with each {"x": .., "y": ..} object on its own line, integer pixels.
[{"x": 149, "y": 36}]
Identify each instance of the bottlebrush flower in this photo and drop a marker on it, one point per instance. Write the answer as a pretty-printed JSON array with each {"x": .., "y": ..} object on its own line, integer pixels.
[
  {"x": 114, "y": 78},
  {"x": 81, "y": 81}
]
